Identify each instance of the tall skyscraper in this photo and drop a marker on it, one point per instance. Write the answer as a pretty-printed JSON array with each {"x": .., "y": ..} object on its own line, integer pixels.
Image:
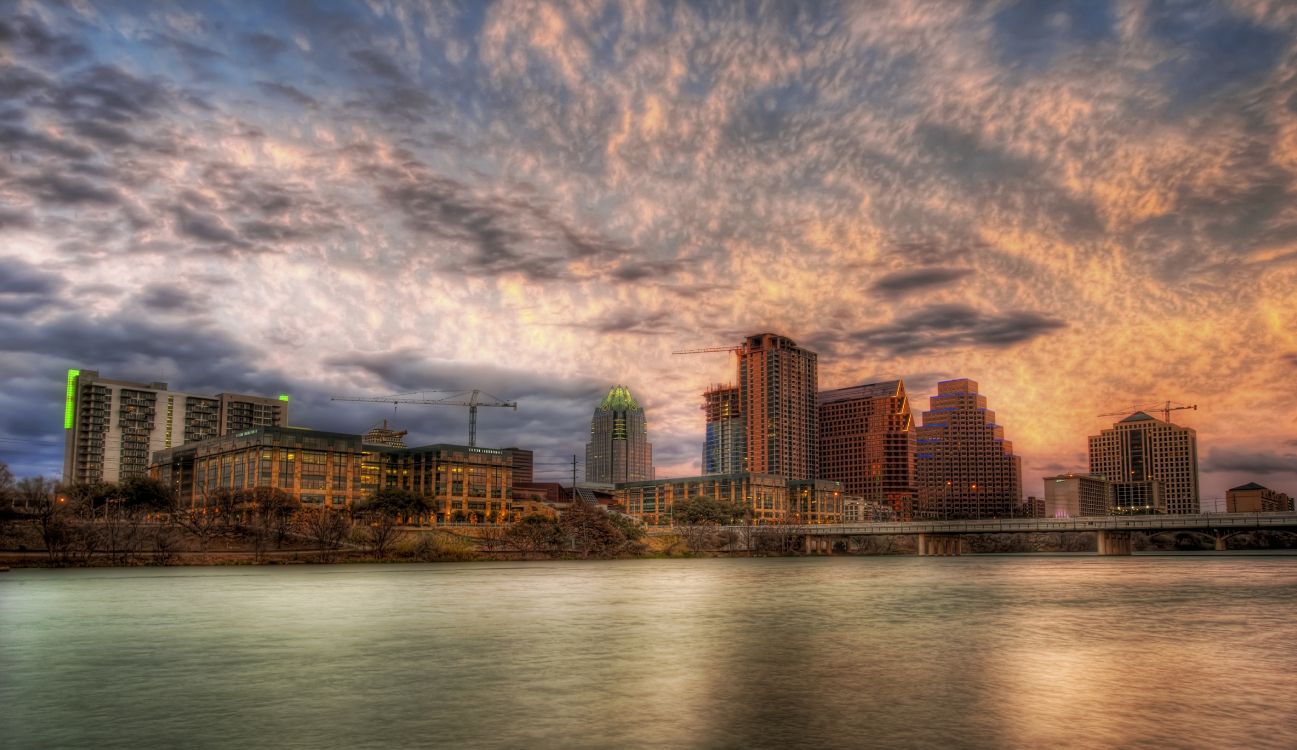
[
  {"x": 1151, "y": 465},
  {"x": 723, "y": 444},
  {"x": 964, "y": 467},
  {"x": 619, "y": 448},
  {"x": 113, "y": 427},
  {"x": 778, "y": 386},
  {"x": 867, "y": 442}
]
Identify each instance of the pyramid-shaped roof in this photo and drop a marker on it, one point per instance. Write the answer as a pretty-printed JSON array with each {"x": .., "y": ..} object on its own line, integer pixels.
[
  {"x": 1138, "y": 416},
  {"x": 1248, "y": 486}
]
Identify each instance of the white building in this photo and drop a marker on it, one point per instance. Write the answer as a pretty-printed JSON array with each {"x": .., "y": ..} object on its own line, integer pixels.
[{"x": 113, "y": 427}]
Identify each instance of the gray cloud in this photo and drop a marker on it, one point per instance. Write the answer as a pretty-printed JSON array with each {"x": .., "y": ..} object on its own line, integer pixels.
[
  {"x": 66, "y": 190},
  {"x": 291, "y": 93},
  {"x": 937, "y": 327},
  {"x": 1250, "y": 462},
  {"x": 33, "y": 39},
  {"x": 902, "y": 282},
  {"x": 168, "y": 298}
]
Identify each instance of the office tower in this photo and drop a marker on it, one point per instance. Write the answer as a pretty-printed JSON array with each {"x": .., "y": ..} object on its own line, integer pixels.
[
  {"x": 723, "y": 444},
  {"x": 867, "y": 442},
  {"x": 112, "y": 427},
  {"x": 619, "y": 449},
  {"x": 1072, "y": 495},
  {"x": 523, "y": 462},
  {"x": 778, "y": 386},
  {"x": 964, "y": 468},
  {"x": 1151, "y": 465}
]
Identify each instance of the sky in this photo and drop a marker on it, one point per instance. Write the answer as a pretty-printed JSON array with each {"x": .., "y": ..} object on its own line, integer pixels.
[{"x": 1083, "y": 205}]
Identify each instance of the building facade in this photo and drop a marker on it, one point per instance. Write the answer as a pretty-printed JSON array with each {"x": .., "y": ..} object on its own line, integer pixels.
[
  {"x": 765, "y": 495},
  {"x": 524, "y": 462},
  {"x": 337, "y": 470},
  {"x": 964, "y": 466},
  {"x": 723, "y": 442},
  {"x": 1253, "y": 498},
  {"x": 113, "y": 427},
  {"x": 1152, "y": 465},
  {"x": 619, "y": 448},
  {"x": 1073, "y": 495},
  {"x": 867, "y": 441},
  {"x": 319, "y": 469},
  {"x": 767, "y": 498},
  {"x": 778, "y": 388},
  {"x": 464, "y": 483}
]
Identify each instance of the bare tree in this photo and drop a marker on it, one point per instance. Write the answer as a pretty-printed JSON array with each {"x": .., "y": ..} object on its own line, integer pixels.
[
  {"x": 327, "y": 528},
  {"x": 7, "y": 496}
]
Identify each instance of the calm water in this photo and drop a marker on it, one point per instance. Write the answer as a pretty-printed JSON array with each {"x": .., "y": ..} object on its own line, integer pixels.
[{"x": 831, "y": 652}]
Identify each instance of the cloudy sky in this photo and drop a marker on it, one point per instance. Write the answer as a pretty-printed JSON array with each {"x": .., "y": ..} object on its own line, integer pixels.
[{"x": 1082, "y": 205}]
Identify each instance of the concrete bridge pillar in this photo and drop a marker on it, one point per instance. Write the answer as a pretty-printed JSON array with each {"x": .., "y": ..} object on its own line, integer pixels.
[
  {"x": 1220, "y": 544},
  {"x": 931, "y": 545},
  {"x": 1114, "y": 543}
]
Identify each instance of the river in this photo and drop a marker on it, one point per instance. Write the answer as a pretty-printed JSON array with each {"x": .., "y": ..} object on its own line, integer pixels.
[{"x": 977, "y": 651}]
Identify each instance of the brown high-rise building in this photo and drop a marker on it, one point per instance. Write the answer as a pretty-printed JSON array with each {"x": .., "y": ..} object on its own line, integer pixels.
[
  {"x": 1151, "y": 465},
  {"x": 778, "y": 386},
  {"x": 867, "y": 442},
  {"x": 964, "y": 467}
]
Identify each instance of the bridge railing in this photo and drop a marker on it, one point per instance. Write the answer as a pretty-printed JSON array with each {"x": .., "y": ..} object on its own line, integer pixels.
[{"x": 1020, "y": 525}]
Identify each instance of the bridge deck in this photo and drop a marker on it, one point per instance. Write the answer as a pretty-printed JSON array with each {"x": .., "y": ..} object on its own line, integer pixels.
[{"x": 1200, "y": 521}]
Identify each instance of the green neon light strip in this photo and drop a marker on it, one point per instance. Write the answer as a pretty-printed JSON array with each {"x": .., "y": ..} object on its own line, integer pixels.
[
  {"x": 283, "y": 397},
  {"x": 67, "y": 404}
]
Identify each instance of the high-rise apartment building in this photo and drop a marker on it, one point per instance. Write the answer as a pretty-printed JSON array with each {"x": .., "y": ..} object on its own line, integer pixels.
[
  {"x": 778, "y": 386},
  {"x": 619, "y": 448},
  {"x": 867, "y": 442},
  {"x": 1151, "y": 465},
  {"x": 113, "y": 427},
  {"x": 964, "y": 467},
  {"x": 723, "y": 444}
]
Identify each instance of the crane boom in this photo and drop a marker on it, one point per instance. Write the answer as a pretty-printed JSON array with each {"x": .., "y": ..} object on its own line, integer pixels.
[
  {"x": 455, "y": 399},
  {"x": 709, "y": 350},
  {"x": 1165, "y": 407}
]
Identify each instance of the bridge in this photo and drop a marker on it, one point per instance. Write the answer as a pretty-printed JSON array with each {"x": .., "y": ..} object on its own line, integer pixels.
[{"x": 1114, "y": 532}]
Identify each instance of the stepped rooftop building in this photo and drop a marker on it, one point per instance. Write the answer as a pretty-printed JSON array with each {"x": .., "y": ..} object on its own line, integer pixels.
[
  {"x": 778, "y": 389},
  {"x": 1151, "y": 465},
  {"x": 113, "y": 427},
  {"x": 619, "y": 448},
  {"x": 964, "y": 466},
  {"x": 867, "y": 442}
]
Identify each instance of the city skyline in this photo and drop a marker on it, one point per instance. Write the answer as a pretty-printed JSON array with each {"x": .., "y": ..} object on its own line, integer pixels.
[{"x": 1078, "y": 208}]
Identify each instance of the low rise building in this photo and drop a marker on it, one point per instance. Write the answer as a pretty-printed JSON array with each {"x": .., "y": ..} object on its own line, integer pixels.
[
  {"x": 1253, "y": 498},
  {"x": 336, "y": 470},
  {"x": 1074, "y": 495},
  {"x": 765, "y": 496}
]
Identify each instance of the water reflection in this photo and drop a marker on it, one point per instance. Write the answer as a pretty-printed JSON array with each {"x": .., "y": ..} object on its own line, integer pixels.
[{"x": 840, "y": 652}]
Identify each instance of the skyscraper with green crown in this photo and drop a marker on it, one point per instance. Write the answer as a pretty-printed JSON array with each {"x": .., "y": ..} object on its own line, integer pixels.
[{"x": 619, "y": 448}]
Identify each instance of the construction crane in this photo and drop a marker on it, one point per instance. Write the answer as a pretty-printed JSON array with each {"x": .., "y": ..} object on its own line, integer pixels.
[
  {"x": 710, "y": 350},
  {"x": 1166, "y": 408},
  {"x": 456, "y": 399}
]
